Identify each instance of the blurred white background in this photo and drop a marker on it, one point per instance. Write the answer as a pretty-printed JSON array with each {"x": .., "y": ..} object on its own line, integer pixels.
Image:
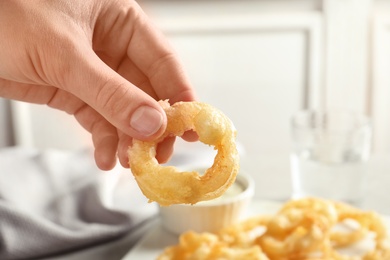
[{"x": 259, "y": 62}]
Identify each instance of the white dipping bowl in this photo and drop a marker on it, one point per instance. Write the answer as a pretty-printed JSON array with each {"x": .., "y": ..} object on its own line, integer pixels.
[{"x": 212, "y": 215}]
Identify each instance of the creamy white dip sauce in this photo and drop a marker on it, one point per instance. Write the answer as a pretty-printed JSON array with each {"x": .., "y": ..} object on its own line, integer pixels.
[{"x": 231, "y": 192}]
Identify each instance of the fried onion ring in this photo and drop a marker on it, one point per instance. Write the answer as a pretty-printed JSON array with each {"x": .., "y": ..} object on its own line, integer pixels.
[
  {"x": 209, "y": 246},
  {"x": 166, "y": 184},
  {"x": 301, "y": 230}
]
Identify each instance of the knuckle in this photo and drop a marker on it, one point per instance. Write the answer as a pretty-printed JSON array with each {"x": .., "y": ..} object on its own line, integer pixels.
[
  {"x": 167, "y": 60},
  {"x": 109, "y": 97}
]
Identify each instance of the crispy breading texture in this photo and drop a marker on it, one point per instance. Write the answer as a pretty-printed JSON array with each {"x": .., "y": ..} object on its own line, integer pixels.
[{"x": 166, "y": 184}]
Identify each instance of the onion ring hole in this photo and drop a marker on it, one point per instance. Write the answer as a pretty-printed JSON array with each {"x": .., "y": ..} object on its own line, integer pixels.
[{"x": 167, "y": 184}]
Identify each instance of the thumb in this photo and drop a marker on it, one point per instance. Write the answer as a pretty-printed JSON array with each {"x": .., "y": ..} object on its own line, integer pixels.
[{"x": 124, "y": 105}]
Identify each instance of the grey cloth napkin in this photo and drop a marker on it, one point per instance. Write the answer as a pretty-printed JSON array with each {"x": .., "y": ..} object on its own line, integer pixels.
[{"x": 55, "y": 202}]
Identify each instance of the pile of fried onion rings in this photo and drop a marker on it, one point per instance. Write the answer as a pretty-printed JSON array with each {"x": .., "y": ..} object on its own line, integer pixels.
[
  {"x": 166, "y": 184},
  {"x": 302, "y": 229}
]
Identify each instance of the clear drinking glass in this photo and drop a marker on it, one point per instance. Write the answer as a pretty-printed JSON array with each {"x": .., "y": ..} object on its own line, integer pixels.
[{"x": 329, "y": 154}]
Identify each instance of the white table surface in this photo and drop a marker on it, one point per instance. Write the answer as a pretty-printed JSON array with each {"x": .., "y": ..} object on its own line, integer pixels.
[{"x": 272, "y": 184}]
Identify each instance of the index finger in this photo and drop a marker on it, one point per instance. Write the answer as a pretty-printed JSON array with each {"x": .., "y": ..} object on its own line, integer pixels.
[{"x": 152, "y": 53}]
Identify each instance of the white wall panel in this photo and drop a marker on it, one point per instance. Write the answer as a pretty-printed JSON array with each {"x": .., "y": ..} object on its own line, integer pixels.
[
  {"x": 258, "y": 70},
  {"x": 346, "y": 44},
  {"x": 380, "y": 102}
]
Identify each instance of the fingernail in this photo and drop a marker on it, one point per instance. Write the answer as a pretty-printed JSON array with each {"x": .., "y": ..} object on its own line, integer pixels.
[{"x": 146, "y": 120}]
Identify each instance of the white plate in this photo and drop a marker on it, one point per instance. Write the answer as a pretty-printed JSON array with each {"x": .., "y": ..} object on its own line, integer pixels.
[{"x": 157, "y": 239}]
